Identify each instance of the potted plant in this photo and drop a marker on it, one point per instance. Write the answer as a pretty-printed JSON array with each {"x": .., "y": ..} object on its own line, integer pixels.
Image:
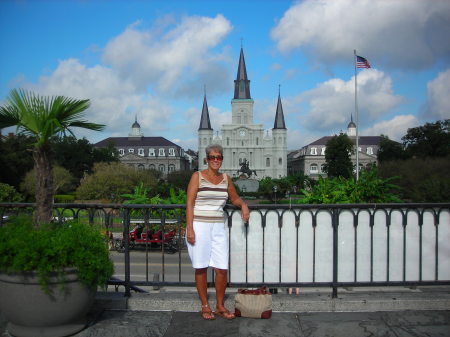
[
  {"x": 50, "y": 257},
  {"x": 49, "y": 275}
]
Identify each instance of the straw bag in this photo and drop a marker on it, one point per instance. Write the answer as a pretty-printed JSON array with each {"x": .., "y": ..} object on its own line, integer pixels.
[{"x": 255, "y": 303}]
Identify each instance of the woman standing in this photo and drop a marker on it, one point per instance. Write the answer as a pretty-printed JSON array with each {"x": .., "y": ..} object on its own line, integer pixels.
[{"x": 207, "y": 193}]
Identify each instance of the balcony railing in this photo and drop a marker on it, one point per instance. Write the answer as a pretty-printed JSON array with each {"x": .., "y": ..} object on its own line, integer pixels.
[{"x": 292, "y": 245}]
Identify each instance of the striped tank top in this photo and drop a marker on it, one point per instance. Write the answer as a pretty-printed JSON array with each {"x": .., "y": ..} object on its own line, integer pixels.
[{"x": 210, "y": 200}]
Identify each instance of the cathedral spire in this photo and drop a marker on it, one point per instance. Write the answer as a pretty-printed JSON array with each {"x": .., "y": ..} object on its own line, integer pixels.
[
  {"x": 205, "y": 123},
  {"x": 242, "y": 84},
  {"x": 279, "y": 115}
]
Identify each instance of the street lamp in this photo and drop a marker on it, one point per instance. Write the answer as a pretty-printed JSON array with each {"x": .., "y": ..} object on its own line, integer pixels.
[{"x": 275, "y": 189}]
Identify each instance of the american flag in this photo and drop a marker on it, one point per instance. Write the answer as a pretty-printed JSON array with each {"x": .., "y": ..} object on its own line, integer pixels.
[{"x": 361, "y": 62}]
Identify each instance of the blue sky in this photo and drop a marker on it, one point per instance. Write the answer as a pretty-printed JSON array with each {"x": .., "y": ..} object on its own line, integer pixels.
[{"x": 154, "y": 58}]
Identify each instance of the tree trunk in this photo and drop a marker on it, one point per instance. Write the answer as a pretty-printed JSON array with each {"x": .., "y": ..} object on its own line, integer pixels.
[{"x": 43, "y": 163}]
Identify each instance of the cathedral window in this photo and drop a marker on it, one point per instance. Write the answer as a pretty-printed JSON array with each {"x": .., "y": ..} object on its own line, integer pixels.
[
  {"x": 151, "y": 152},
  {"x": 141, "y": 152},
  {"x": 161, "y": 153},
  {"x": 267, "y": 162},
  {"x": 313, "y": 151}
]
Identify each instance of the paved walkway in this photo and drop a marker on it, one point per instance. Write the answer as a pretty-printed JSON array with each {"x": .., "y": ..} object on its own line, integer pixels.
[{"x": 356, "y": 312}]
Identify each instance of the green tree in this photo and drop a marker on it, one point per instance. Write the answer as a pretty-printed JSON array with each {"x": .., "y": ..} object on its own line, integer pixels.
[
  {"x": 79, "y": 156},
  {"x": 421, "y": 179},
  {"x": 179, "y": 179},
  {"x": 44, "y": 117},
  {"x": 338, "y": 152},
  {"x": 16, "y": 158},
  {"x": 390, "y": 150},
  {"x": 429, "y": 140},
  {"x": 63, "y": 181},
  {"x": 9, "y": 194},
  {"x": 110, "y": 181}
]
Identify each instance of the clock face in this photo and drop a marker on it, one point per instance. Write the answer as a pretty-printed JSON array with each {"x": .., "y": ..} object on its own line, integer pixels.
[{"x": 242, "y": 133}]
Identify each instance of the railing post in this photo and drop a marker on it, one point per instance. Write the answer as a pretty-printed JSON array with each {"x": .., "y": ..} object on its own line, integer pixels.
[
  {"x": 335, "y": 223},
  {"x": 126, "y": 233}
]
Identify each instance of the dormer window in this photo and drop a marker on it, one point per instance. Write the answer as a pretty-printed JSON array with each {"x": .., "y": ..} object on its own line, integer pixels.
[
  {"x": 172, "y": 152},
  {"x": 314, "y": 151},
  {"x": 131, "y": 150},
  {"x": 151, "y": 152},
  {"x": 161, "y": 153},
  {"x": 121, "y": 152},
  {"x": 369, "y": 150},
  {"x": 323, "y": 151},
  {"x": 141, "y": 152}
]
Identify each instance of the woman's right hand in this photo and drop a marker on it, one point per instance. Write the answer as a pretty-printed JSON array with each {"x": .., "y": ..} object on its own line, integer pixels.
[{"x": 190, "y": 235}]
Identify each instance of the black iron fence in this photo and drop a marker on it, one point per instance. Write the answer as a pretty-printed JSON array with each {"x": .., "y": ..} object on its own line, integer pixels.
[{"x": 282, "y": 245}]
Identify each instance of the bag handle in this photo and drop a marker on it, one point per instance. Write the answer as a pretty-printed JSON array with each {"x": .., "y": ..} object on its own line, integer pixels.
[{"x": 260, "y": 291}]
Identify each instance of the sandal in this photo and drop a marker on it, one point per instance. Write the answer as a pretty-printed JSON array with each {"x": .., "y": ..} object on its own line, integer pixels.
[
  {"x": 207, "y": 315},
  {"x": 225, "y": 313}
]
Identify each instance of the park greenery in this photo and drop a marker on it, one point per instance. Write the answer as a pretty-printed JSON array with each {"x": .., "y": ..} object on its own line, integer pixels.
[{"x": 415, "y": 170}]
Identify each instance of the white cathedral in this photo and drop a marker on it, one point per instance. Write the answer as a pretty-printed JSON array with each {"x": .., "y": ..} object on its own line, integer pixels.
[{"x": 242, "y": 139}]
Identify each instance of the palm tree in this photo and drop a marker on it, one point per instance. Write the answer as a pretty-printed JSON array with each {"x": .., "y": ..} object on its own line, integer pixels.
[{"x": 44, "y": 117}]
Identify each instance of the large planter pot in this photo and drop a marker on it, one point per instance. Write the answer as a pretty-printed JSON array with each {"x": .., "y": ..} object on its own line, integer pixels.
[{"x": 31, "y": 312}]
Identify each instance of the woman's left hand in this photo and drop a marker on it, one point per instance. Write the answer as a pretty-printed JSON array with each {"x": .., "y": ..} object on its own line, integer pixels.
[{"x": 245, "y": 213}]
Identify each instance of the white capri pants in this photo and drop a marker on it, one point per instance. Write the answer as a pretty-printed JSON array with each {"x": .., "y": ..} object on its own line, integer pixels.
[{"x": 211, "y": 246}]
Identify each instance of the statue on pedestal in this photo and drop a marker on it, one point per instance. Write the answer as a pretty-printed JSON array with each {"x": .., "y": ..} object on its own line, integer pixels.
[{"x": 245, "y": 170}]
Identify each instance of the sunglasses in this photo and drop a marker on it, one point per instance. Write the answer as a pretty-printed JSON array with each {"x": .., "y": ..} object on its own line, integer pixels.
[{"x": 219, "y": 158}]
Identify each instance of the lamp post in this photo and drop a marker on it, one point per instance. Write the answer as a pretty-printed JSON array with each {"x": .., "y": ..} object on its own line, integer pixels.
[{"x": 275, "y": 189}]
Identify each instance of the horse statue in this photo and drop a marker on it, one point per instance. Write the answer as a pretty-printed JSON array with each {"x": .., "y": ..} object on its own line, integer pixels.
[{"x": 245, "y": 169}]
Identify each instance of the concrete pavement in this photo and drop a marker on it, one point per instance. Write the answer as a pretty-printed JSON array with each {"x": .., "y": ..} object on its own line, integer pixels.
[{"x": 171, "y": 312}]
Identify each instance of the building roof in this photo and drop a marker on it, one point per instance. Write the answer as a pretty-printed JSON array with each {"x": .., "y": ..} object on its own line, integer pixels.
[
  {"x": 279, "y": 116},
  {"x": 363, "y": 140},
  {"x": 242, "y": 80},
  {"x": 205, "y": 123},
  {"x": 137, "y": 141}
]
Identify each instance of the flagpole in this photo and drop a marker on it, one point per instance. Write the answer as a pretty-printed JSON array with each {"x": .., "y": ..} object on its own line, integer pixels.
[{"x": 357, "y": 119}]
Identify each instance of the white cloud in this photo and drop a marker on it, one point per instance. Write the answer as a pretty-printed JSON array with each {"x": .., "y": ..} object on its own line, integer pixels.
[
  {"x": 114, "y": 101},
  {"x": 157, "y": 57},
  {"x": 172, "y": 58},
  {"x": 331, "y": 103},
  {"x": 438, "y": 104},
  {"x": 403, "y": 34},
  {"x": 395, "y": 128}
]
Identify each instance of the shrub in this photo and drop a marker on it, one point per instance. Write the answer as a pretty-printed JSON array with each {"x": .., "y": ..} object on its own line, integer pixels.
[
  {"x": 64, "y": 198},
  {"x": 369, "y": 189},
  {"x": 9, "y": 194}
]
